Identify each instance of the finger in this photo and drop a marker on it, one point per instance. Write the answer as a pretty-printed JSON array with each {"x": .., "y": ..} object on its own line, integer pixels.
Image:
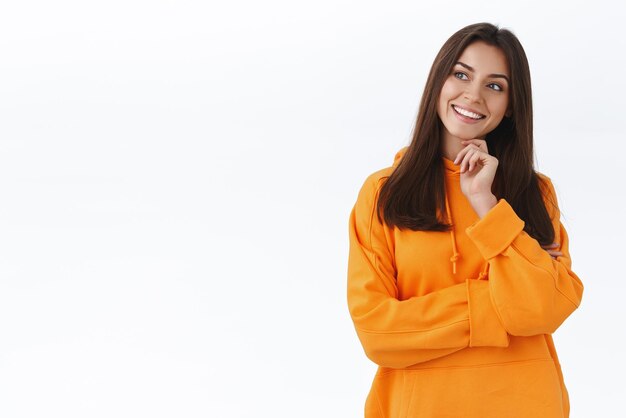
[
  {"x": 472, "y": 156},
  {"x": 460, "y": 157},
  {"x": 466, "y": 158},
  {"x": 470, "y": 159},
  {"x": 553, "y": 245},
  {"x": 474, "y": 160},
  {"x": 480, "y": 143},
  {"x": 461, "y": 154}
]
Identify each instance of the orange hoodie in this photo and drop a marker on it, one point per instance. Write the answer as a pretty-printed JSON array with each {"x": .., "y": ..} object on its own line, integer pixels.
[{"x": 459, "y": 322}]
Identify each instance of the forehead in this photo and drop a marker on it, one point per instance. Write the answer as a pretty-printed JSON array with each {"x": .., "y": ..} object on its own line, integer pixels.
[{"x": 485, "y": 58}]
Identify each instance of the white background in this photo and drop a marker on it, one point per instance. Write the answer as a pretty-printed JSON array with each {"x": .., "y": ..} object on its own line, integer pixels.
[{"x": 176, "y": 179}]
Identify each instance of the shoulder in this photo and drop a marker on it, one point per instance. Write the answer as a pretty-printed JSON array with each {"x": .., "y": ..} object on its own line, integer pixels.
[
  {"x": 372, "y": 184},
  {"x": 366, "y": 203},
  {"x": 374, "y": 181},
  {"x": 368, "y": 226},
  {"x": 548, "y": 193},
  {"x": 543, "y": 178},
  {"x": 545, "y": 184}
]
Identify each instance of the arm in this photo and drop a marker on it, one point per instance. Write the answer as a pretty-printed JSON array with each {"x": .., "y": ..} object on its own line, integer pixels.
[
  {"x": 532, "y": 292},
  {"x": 398, "y": 333}
]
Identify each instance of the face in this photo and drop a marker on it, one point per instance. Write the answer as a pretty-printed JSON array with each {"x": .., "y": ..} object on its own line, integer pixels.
[{"x": 475, "y": 96}]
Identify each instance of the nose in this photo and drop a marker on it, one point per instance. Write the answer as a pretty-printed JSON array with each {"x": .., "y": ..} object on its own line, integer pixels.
[{"x": 472, "y": 93}]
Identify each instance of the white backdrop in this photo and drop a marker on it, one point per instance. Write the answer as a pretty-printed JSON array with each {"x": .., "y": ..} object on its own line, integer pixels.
[{"x": 176, "y": 179}]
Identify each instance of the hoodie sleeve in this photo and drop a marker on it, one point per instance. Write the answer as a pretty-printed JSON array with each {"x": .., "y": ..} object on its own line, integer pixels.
[
  {"x": 398, "y": 333},
  {"x": 532, "y": 292}
]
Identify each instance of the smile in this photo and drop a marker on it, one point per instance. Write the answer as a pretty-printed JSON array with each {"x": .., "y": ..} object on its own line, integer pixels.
[{"x": 468, "y": 114}]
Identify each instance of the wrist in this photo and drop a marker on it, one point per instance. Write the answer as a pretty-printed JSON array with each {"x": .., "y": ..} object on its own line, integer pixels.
[{"x": 483, "y": 203}]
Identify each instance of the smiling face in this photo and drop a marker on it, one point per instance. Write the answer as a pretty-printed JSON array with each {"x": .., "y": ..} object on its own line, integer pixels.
[{"x": 475, "y": 95}]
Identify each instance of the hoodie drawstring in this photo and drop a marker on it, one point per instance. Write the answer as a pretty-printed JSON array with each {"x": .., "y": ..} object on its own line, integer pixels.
[
  {"x": 483, "y": 274},
  {"x": 455, "y": 254}
]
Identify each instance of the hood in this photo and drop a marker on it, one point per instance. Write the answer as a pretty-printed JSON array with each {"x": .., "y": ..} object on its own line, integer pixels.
[
  {"x": 399, "y": 155},
  {"x": 451, "y": 168},
  {"x": 454, "y": 171}
]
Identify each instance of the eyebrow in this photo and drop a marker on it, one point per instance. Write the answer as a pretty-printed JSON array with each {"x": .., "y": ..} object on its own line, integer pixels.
[{"x": 490, "y": 75}]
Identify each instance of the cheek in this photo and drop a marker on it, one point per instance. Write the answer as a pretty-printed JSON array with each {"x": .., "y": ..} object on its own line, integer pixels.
[
  {"x": 448, "y": 90},
  {"x": 499, "y": 106},
  {"x": 447, "y": 93}
]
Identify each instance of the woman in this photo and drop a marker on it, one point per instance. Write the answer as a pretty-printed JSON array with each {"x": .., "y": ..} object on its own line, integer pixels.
[{"x": 459, "y": 269}]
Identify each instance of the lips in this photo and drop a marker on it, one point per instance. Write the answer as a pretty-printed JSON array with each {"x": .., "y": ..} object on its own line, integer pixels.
[{"x": 467, "y": 113}]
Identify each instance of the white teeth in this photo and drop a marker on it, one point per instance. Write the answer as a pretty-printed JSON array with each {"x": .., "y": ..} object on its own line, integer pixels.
[{"x": 468, "y": 113}]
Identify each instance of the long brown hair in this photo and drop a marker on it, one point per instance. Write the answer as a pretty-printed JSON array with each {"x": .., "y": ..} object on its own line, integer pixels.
[{"x": 413, "y": 196}]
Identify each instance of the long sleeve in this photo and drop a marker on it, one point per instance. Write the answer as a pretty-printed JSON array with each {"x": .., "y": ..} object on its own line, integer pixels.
[
  {"x": 398, "y": 333},
  {"x": 532, "y": 292}
]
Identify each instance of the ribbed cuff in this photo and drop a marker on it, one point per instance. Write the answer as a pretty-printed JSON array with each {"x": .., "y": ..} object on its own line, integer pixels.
[
  {"x": 496, "y": 230},
  {"x": 485, "y": 326}
]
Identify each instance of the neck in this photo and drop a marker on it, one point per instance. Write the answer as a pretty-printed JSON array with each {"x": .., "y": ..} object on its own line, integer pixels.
[{"x": 451, "y": 145}]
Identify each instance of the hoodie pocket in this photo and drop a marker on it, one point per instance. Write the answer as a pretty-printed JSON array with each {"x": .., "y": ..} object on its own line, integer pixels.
[
  {"x": 391, "y": 394},
  {"x": 513, "y": 390}
]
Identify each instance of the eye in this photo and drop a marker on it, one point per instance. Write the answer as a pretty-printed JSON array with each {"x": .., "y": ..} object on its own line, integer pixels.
[
  {"x": 495, "y": 86},
  {"x": 461, "y": 75}
]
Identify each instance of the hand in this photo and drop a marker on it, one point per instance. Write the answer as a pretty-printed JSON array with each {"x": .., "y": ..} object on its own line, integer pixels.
[
  {"x": 550, "y": 250},
  {"x": 478, "y": 169}
]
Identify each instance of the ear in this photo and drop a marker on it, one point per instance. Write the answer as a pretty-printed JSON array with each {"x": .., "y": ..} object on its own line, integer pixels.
[{"x": 508, "y": 113}]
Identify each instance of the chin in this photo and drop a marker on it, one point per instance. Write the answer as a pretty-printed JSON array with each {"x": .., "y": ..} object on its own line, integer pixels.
[{"x": 466, "y": 136}]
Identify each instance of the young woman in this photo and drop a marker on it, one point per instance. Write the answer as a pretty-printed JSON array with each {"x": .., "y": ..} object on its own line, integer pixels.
[{"x": 459, "y": 269}]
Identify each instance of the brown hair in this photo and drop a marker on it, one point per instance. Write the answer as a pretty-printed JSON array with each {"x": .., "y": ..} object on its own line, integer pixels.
[{"x": 413, "y": 196}]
